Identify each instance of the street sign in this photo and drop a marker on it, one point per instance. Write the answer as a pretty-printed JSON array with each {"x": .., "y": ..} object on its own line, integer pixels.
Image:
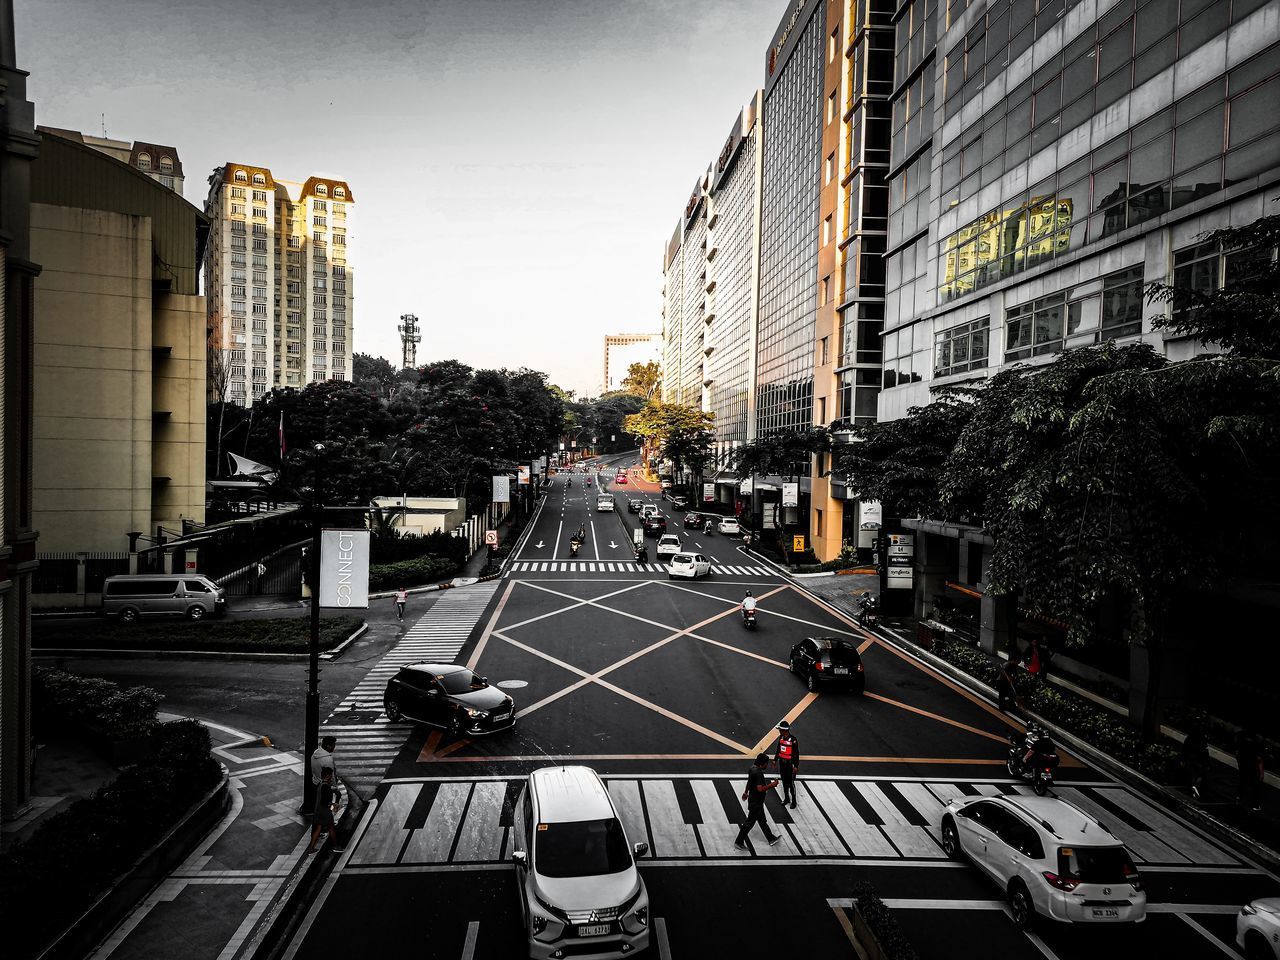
[
  {"x": 344, "y": 569},
  {"x": 502, "y": 489},
  {"x": 191, "y": 566},
  {"x": 522, "y": 476},
  {"x": 491, "y": 537},
  {"x": 797, "y": 543},
  {"x": 900, "y": 553},
  {"x": 791, "y": 494},
  {"x": 708, "y": 492}
]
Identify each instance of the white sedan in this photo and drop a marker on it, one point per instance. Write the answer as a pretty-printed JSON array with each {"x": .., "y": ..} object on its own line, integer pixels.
[
  {"x": 668, "y": 545},
  {"x": 691, "y": 565},
  {"x": 730, "y": 525},
  {"x": 1258, "y": 929}
]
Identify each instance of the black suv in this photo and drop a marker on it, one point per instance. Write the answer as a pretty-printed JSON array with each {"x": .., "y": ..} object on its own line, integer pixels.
[
  {"x": 634, "y": 505},
  {"x": 654, "y": 525}
]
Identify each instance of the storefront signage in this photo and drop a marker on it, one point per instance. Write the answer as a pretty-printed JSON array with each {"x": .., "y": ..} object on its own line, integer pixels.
[
  {"x": 790, "y": 494},
  {"x": 747, "y": 487},
  {"x": 776, "y": 50},
  {"x": 708, "y": 492},
  {"x": 870, "y": 515},
  {"x": 344, "y": 569},
  {"x": 901, "y": 550},
  {"x": 522, "y": 476}
]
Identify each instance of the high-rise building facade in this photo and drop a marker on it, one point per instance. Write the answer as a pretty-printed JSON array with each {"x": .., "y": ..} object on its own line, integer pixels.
[
  {"x": 623, "y": 349},
  {"x": 1077, "y": 150},
  {"x": 672, "y": 313},
  {"x": 159, "y": 162},
  {"x": 693, "y": 264},
  {"x": 792, "y": 125},
  {"x": 733, "y": 249},
  {"x": 278, "y": 281}
]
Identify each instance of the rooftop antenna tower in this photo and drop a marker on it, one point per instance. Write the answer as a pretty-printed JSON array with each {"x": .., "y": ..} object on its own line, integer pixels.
[{"x": 410, "y": 337}]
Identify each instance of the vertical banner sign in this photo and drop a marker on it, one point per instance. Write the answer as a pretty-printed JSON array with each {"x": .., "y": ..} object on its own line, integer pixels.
[
  {"x": 708, "y": 492},
  {"x": 870, "y": 515},
  {"x": 791, "y": 494},
  {"x": 502, "y": 489},
  {"x": 344, "y": 569},
  {"x": 902, "y": 552},
  {"x": 522, "y": 476},
  {"x": 747, "y": 486},
  {"x": 562, "y": 448}
]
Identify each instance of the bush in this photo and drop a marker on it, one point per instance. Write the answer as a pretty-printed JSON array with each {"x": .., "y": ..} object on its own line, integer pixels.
[
  {"x": 883, "y": 924},
  {"x": 1218, "y": 732},
  {"x": 410, "y": 573},
  {"x": 387, "y": 549},
  {"x": 51, "y": 878},
  {"x": 64, "y": 701},
  {"x": 284, "y": 635}
]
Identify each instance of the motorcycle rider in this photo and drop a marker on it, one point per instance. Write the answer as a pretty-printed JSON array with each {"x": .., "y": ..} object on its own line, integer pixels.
[
  {"x": 1037, "y": 742},
  {"x": 707, "y": 527},
  {"x": 867, "y": 605},
  {"x": 748, "y": 604}
]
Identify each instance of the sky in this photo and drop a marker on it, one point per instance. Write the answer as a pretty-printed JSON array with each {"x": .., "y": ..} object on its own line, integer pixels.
[{"x": 517, "y": 165}]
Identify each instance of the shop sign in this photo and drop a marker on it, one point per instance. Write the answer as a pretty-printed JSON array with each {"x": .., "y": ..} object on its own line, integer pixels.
[{"x": 790, "y": 494}]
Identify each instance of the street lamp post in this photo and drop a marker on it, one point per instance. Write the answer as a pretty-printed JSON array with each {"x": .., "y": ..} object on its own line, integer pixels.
[{"x": 312, "y": 726}]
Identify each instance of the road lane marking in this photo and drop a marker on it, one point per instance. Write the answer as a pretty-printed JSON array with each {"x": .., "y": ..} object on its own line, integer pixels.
[
  {"x": 469, "y": 947},
  {"x": 484, "y": 637},
  {"x": 791, "y": 716},
  {"x": 578, "y": 602},
  {"x": 660, "y": 934},
  {"x": 934, "y": 716},
  {"x": 1198, "y": 928}
]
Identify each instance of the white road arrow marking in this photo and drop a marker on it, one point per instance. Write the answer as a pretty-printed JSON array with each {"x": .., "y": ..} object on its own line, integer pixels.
[
  {"x": 613, "y": 545},
  {"x": 538, "y": 546}
]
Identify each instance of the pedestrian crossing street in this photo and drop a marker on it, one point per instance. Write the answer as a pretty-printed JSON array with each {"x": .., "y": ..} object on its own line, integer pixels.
[
  {"x": 367, "y": 741},
  {"x": 470, "y": 821},
  {"x": 642, "y": 569}
]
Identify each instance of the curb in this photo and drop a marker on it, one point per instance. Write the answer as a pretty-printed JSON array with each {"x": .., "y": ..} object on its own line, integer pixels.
[
  {"x": 1241, "y": 842},
  {"x": 104, "y": 653},
  {"x": 147, "y": 872},
  {"x": 337, "y": 651}
]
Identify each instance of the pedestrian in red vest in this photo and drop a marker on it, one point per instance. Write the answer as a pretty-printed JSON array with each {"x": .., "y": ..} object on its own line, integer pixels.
[{"x": 788, "y": 758}]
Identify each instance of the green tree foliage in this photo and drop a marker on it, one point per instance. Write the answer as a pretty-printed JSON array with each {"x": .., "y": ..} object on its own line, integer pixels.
[
  {"x": 780, "y": 453},
  {"x": 644, "y": 380},
  {"x": 375, "y": 375},
  {"x": 679, "y": 432}
]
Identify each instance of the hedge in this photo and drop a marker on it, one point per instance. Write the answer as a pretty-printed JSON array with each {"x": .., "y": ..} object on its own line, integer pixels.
[
  {"x": 386, "y": 550},
  {"x": 53, "y": 877},
  {"x": 61, "y": 700},
  {"x": 1098, "y": 726},
  {"x": 410, "y": 573},
  {"x": 284, "y": 635},
  {"x": 883, "y": 924}
]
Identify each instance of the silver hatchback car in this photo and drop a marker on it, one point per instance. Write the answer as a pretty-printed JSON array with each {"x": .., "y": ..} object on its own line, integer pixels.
[{"x": 581, "y": 895}]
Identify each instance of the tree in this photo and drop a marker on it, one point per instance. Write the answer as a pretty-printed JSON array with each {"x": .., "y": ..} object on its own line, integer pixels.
[
  {"x": 643, "y": 379},
  {"x": 780, "y": 453},
  {"x": 681, "y": 433},
  {"x": 374, "y": 375}
]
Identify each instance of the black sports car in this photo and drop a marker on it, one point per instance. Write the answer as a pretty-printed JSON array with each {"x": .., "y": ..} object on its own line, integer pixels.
[
  {"x": 828, "y": 660},
  {"x": 450, "y": 697}
]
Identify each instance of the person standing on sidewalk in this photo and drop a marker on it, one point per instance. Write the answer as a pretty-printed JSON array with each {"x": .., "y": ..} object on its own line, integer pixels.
[
  {"x": 757, "y": 788},
  {"x": 402, "y": 597},
  {"x": 322, "y": 758},
  {"x": 326, "y": 806},
  {"x": 788, "y": 763},
  {"x": 1006, "y": 692}
]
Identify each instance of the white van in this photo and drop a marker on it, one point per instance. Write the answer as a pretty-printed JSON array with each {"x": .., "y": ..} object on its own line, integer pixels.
[
  {"x": 604, "y": 503},
  {"x": 157, "y": 595},
  {"x": 580, "y": 892}
]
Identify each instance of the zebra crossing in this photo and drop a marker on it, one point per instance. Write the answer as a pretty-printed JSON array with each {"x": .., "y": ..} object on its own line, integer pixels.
[
  {"x": 367, "y": 740},
  {"x": 643, "y": 569},
  {"x": 469, "y": 822}
]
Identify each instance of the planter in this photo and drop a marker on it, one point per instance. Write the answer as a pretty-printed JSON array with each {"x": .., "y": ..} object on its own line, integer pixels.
[{"x": 867, "y": 942}]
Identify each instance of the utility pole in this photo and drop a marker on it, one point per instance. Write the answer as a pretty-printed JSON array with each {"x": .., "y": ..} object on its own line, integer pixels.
[
  {"x": 410, "y": 337},
  {"x": 311, "y": 736}
]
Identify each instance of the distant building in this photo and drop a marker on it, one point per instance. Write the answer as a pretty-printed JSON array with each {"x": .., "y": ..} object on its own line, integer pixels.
[
  {"x": 278, "y": 282},
  {"x": 119, "y": 365},
  {"x": 159, "y": 162},
  {"x": 623, "y": 349},
  {"x": 19, "y": 146}
]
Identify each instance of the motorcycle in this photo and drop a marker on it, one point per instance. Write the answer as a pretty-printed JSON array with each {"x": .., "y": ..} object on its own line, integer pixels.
[
  {"x": 708, "y": 528},
  {"x": 573, "y": 547},
  {"x": 1033, "y": 757},
  {"x": 868, "y": 606},
  {"x": 642, "y": 554},
  {"x": 749, "y": 618}
]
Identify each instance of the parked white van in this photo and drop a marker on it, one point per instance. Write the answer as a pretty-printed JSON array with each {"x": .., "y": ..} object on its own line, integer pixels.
[{"x": 156, "y": 595}]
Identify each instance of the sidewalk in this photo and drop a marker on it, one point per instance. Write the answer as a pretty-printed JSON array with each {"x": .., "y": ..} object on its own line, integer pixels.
[
  {"x": 209, "y": 906},
  {"x": 1218, "y": 800}
]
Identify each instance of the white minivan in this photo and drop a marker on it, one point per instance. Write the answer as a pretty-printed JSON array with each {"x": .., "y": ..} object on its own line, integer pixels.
[
  {"x": 580, "y": 892},
  {"x": 604, "y": 503},
  {"x": 129, "y": 597}
]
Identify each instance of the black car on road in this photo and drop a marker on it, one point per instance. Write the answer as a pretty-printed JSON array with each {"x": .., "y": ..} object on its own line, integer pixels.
[
  {"x": 634, "y": 505},
  {"x": 447, "y": 696},
  {"x": 693, "y": 519},
  {"x": 830, "y": 661},
  {"x": 654, "y": 525}
]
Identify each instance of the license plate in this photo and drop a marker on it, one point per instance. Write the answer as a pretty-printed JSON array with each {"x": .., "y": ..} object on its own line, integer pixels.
[
  {"x": 840, "y": 670},
  {"x": 594, "y": 930},
  {"x": 502, "y": 716},
  {"x": 1105, "y": 913}
]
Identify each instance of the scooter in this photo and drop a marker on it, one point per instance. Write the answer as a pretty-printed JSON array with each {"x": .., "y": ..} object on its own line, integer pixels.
[
  {"x": 749, "y": 619},
  {"x": 1033, "y": 757},
  {"x": 868, "y": 604},
  {"x": 708, "y": 528},
  {"x": 642, "y": 554},
  {"x": 573, "y": 547}
]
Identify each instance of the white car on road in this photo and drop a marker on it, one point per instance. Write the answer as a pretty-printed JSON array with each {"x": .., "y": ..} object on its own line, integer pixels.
[
  {"x": 1258, "y": 929},
  {"x": 1048, "y": 857},
  {"x": 604, "y": 503},
  {"x": 691, "y": 565},
  {"x": 580, "y": 892},
  {"x": 668, "y": 545},
  {"x": 730, "y": 526}
]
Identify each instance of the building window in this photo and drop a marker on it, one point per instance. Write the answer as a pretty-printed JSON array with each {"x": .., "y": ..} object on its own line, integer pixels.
[
  {"x": 831, "y": 105},
  {"x": 829, "y": 169},
  {"x": 819, "y": 528},
  {"x": 241, "y": 177},
  {"x": 144, "y": 161},
  {"x": 826, "y": 230},
  {"x": 319, "y": 221},
  {"x": 833, "y": 45},
  {"x": 322, "y": 190},
  {"x": 339, "y": 192},
  {"x": 320, "y": 205},
  {"x": 906, "y": 355},
  {"x": 237, "y": 193},
  {"x": 259, "y": 196},
  {"x": 167, "y": 182},
  {"x": 259, "y": 180},
  {"x": 961, "y": 348},
  {"x": 1122, "y": 303},
  {"x": 824, "y": 352},
  {"x": 166, "y": 164},
  {"x": 1035, "y": 328}
]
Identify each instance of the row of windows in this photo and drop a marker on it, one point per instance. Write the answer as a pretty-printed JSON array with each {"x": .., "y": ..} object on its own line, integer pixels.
[{"x": 166, "y": 162}]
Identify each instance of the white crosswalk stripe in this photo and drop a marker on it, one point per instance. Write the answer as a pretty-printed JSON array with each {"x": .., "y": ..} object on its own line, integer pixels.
[
  {"x": 469, "y": 821},
  {"x": 632, "y": 570},
  {"x": 366, "y": 748}
]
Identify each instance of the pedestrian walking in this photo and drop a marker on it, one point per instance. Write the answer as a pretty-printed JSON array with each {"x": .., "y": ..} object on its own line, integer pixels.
[
  {"x": 402, "y": 597},
  {"x": 757, "y": 788},
  {"x": 324, "y": 758},
  {"x": 1249, "y": 766},
  {"x": 1006, "y": 691},
  {"x": 1037, "y": 657},
  {"x": 322, "y": 820},
  {"x": 788, "y": 763},
  {"x": 259, "y": 576},
  {"x": 1195, "y": 759}
]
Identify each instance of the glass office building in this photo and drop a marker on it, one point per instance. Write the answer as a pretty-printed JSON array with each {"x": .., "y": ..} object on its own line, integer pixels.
[{"x": 790, "y": 183}]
